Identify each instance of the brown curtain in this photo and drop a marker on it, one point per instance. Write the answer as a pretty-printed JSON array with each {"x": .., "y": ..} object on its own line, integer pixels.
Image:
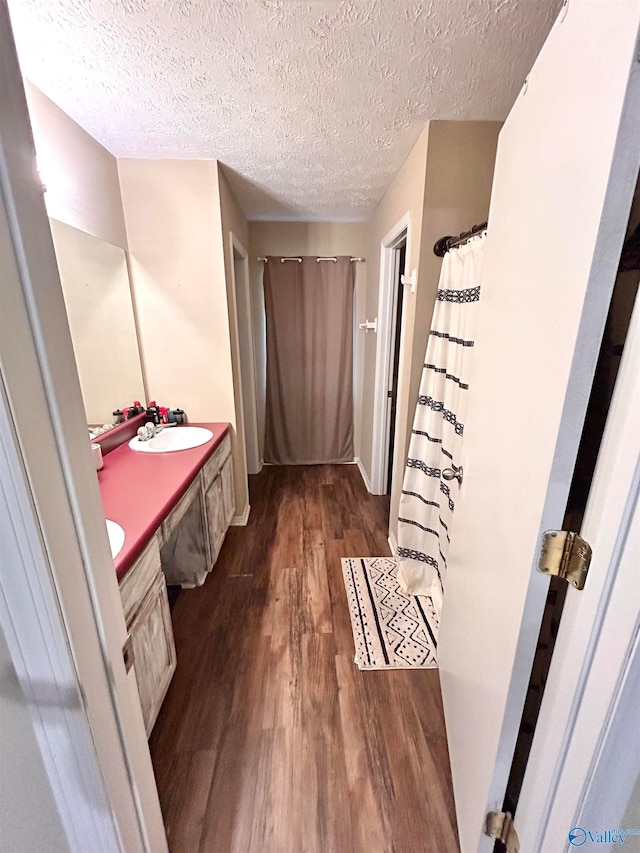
[{"x": 309, "y": 406}]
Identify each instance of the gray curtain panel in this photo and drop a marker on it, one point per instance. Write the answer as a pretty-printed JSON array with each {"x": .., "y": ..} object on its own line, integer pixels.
[{"x": 309, "y": 406}]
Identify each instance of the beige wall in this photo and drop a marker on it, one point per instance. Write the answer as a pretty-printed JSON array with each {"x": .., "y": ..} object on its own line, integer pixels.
[
  {"x": 83, "y": 191},
  {"x": 80, "y": 175},
  {"x": 234, "y": 222},
  {"x": 446, "y": 185},
  {"x": 305, "y": 238},
  {"x": 405, "y": 195},
  {"x": 174, "y": 226},
  {"x": 460, "y": 161},
  {"x": 172, "y": 214}
]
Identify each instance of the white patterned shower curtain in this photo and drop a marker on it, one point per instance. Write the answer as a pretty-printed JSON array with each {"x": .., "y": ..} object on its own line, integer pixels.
[{"x": 427, "y": 503}]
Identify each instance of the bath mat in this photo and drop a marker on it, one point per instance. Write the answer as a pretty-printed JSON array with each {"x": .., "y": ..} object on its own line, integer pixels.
[{"x": 391, "y": 629}]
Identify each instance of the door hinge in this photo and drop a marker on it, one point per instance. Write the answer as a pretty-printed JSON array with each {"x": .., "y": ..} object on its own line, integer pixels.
[
  {"x": 565, "y": 555},
  {"x": 410, "y": 279},
  {"x": 128, "y": 654},
  {"x": 499, "y": 825}
]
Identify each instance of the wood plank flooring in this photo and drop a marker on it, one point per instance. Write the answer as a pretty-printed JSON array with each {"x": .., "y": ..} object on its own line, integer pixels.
[{"x": 270, "y": 739}]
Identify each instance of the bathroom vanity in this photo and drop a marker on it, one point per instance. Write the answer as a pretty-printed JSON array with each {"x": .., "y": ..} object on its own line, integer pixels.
[{"x": 175, "y": 509}]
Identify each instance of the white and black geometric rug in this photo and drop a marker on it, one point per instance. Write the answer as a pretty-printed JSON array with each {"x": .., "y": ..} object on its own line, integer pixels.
[{"x": 391, "y": 629}]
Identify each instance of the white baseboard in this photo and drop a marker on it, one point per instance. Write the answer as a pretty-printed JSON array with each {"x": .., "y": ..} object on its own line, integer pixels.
[
  {"x": 242, "y": 519},
  {"x": 363, "y": 473},
  {"x": 393, "y": 543}
]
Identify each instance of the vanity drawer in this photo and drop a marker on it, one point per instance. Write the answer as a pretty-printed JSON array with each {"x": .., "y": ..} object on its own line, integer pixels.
[
  {"x": 215, "y": 463},
  {"x": 138, "y": 580},
  {"x": 176, "y": 515}
]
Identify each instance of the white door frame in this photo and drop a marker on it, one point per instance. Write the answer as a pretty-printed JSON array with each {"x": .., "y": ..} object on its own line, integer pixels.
[
  {"x": 247, "y": 378},
  {"x": 63, "y": 617},
  {"x": 39, "y": 647},
  {"x": 598, "y": 631},
  {"x": 387, "y": 301}
]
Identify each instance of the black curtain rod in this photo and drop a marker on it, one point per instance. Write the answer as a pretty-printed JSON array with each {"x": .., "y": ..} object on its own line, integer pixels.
[{"x": 442, "y": 246}]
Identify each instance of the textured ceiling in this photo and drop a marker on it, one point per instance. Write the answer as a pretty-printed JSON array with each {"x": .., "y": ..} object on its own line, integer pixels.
[{"x": 312, "y": 105}]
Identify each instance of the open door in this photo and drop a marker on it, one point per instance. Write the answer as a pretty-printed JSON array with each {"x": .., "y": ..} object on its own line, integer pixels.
[
  {"x": 582, "y": 777},
  {"x": 566, "y": 167},
  {"x": 60, "y": 606}
]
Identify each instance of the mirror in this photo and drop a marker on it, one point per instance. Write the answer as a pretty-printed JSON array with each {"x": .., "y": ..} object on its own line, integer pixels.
[{"x": 97, "y": 295}]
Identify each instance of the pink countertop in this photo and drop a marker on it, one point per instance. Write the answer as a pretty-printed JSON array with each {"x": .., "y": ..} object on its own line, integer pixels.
[{"x": 140, "y": 489}]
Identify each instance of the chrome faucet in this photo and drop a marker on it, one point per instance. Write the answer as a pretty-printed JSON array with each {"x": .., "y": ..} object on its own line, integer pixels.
[{"x": 148, "y": 431}]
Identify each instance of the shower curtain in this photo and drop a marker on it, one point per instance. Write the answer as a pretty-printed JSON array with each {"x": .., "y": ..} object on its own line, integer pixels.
[
  {"x": 309, "y": 395},
  {"x": 427, "y": 502}
]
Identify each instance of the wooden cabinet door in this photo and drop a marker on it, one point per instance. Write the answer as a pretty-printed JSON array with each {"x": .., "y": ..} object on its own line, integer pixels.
[
  {"x": 154, "y": 651},
  {"x": 215, "y": 513},
  {"x": 228, "y": 492},
  {"x": 184, "y": 555}
]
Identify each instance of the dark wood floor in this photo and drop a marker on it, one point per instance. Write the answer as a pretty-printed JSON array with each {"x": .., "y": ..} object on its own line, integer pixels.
[{"x": 270, "y": 740}]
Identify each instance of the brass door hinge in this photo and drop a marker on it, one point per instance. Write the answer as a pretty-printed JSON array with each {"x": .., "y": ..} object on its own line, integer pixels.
[
  {"x": 500, "y": 825},
  {"x": 565, "y": 555}
]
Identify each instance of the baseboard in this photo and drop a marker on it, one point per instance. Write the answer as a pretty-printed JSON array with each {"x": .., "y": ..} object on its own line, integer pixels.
[
  {"x": 363, "y": 474},
  {"x": 393, "y": 543},
  {"x": 242, "y": 519}
]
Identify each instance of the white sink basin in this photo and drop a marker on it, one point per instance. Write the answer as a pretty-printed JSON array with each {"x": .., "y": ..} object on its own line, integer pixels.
[
  {"x": 116, "y": 537},
  {"x": 174, "y": 438}
]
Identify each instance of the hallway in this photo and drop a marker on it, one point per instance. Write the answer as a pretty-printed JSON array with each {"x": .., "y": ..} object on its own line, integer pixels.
[{"x": 270, "y": 739}]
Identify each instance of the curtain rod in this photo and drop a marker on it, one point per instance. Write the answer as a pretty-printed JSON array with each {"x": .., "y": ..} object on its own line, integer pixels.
[
  {"x": 442, "y": 246},
  {"x": 299, "y": 260}
]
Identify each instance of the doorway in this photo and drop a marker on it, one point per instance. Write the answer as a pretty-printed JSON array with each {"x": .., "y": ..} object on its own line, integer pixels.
[
  {"x": 247, "y": 373},
  {"x": 393, "y": 260},
  {"x": 400, "y": 260}
]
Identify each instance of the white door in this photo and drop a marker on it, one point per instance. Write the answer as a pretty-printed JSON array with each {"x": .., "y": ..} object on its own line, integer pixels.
[
  {"x": 60, "y": 606},
  {"x": 566, "y": 165}
]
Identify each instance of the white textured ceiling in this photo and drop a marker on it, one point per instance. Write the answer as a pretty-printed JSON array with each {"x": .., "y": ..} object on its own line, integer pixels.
[{"x": 311, "y": 104}]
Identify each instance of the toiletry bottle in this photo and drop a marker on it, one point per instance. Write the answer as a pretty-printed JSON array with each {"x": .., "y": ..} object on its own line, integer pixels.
[
  {"x": 118, "y": 416},
  {"x": 153, "y": 414},
  {"x": 180, "y": 416}
]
